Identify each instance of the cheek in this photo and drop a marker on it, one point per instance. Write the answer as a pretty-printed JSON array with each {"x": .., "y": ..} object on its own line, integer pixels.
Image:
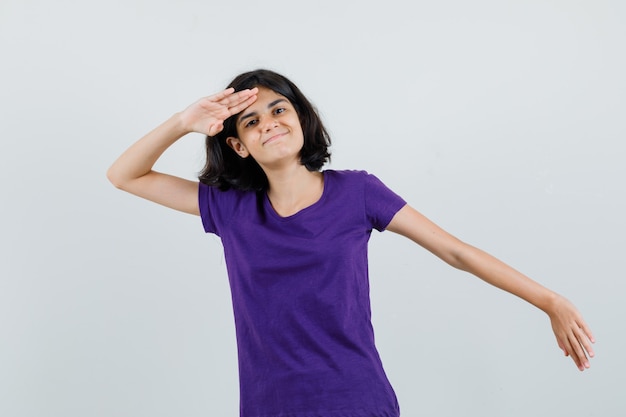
[
  {"x": 247, "y": 138},
  {"x": 299, "y": 126}
]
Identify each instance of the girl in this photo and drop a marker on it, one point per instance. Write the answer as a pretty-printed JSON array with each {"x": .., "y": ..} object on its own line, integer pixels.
[{"x": 295, "y": 242}]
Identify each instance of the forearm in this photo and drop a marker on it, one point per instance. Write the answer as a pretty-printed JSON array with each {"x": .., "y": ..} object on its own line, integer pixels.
[
  {"x": 503, "y": 276},
  {"x": 139, "y": 159}
]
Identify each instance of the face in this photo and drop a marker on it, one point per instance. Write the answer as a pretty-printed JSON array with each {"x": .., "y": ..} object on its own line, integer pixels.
[{"x": 269, "y": 130}]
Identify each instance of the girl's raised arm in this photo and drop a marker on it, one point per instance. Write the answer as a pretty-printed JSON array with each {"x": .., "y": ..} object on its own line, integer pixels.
[{"x": 132, "y": 171}]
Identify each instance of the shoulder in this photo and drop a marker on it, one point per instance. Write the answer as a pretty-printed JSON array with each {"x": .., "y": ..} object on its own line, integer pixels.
[
  {"x": 359, "y": 188},
  {"x": 347, "y": 175},
  {"x": 225, "y": 200},
  {"x": 352, "y": 177},
  {"x": 220, "y": 193},
  {"x": 218, "y": 207}
]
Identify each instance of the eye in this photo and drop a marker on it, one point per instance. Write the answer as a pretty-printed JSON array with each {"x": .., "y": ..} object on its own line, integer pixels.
[
  {"x": 279, "y": 110},
  {"x": 251, "y": 123}
]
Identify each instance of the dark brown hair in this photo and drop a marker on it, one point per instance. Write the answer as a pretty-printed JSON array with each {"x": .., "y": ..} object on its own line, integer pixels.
[{"x": 225, "y": 169}]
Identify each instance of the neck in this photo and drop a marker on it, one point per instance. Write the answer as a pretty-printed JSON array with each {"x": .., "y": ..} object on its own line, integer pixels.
[{"x": 293, "y": 188}]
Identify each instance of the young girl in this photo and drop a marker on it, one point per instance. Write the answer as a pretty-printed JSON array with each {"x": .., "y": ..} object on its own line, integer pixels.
[{"x": 295, "y": 242}]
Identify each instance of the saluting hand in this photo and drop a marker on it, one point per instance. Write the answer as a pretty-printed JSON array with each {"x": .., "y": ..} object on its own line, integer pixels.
[{"x": 207, "y": 115}]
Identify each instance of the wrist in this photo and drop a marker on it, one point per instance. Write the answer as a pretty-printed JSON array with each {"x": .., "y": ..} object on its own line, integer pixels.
[
  {"x": 179, "y": 123},
  {"x": 550, "y": 302}
]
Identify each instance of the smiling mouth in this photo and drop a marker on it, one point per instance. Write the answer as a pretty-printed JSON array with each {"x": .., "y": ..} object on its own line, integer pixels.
[{"x": 273, "y": 138}]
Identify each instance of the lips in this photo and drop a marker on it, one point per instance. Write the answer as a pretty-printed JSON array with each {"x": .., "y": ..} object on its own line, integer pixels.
[{"x": 273, "y": 138}]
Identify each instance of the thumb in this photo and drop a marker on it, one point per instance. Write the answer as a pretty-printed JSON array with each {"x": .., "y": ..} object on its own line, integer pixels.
[{"x": 216, "y": 128}]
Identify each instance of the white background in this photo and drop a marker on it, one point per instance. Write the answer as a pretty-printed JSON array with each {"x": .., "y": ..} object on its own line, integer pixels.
[{"x": 503, "y": 121}]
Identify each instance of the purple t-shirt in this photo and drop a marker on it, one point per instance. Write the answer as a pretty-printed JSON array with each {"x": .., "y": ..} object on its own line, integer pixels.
[{"x": 300, "y": 295}]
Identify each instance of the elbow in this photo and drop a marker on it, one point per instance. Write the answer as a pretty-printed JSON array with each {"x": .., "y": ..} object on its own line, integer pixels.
[
  {"x": 460, "y": 258},
  {"x": 455, "y": 260},
  {"x": 114, "y": 178}
]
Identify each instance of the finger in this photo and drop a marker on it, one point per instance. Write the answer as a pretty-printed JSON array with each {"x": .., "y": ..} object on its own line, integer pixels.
[
  {"x": 587, "y": 331},
  {"x": 235, "y": 98},
  {"x": 584, "y": 343},
  {"x": 215, "y": 129},
  {"x": 585, "y": 340},
  {"x": 219, "y": 96},
  {"x": 242, "y": 105},
  {"x": 577, "y": 353},
  {"x": 574, "y": 357}
]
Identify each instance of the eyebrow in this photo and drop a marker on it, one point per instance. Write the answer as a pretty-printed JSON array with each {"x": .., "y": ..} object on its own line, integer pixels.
[{"x": 253, "y": 113}]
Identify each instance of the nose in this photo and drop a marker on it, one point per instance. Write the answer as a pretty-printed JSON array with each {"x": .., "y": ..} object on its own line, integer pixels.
[{"x": 268, "y": 122}]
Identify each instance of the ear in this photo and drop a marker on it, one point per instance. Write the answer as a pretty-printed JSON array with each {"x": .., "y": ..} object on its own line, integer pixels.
[{"x": 237, "y": 146}]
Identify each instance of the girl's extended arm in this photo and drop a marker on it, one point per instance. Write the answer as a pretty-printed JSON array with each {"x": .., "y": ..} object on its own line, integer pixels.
[
  {"x": 132, "y": 171},
  {"x": 572, "y": 333}
]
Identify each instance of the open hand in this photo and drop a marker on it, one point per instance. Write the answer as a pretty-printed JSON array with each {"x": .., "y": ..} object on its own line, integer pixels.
[
  {"x": 207, "y": 115},
  {"x": 572, "y": 333}
]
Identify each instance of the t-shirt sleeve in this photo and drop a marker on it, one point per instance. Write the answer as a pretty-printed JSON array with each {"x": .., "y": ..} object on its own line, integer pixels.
[
  {"x": 208, "y": 202},
  {"x": 381, "y": 203}
]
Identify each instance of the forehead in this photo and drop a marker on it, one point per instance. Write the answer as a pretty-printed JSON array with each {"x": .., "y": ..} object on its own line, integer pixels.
[
  {"x": 265, "y": 96},
  {"x": 266, "y": 99}
]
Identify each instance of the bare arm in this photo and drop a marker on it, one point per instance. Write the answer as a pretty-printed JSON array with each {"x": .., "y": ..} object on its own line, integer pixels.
[
  {"x": 572, "y": 333},
  {"x": 133, "y": 172}
]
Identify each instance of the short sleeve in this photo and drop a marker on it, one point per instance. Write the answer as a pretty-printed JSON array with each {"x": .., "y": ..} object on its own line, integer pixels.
[
  {"x": 209, "y": 203},
  {"x": 381, "y": 203}
]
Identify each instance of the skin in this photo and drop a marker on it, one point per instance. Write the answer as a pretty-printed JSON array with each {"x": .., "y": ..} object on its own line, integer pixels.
[{"x": 269, "y": 131}]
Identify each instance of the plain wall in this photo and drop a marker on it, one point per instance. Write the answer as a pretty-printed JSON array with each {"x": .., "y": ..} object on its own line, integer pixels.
[{"x": 502, "y": 121}]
